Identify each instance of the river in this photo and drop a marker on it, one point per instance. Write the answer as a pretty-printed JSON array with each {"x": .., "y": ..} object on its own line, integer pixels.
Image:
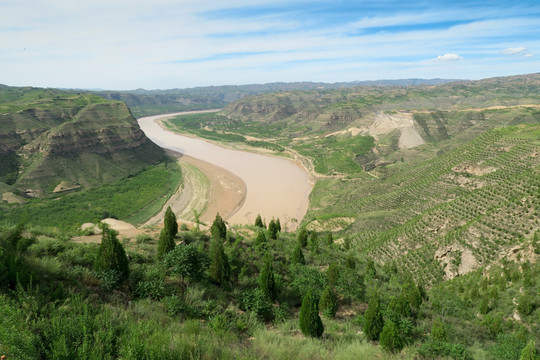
[{"x": 276, "y": 187}]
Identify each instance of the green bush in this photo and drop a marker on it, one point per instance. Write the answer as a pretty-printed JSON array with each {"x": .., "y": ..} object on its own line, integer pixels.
[
  {"x": 529, "y": 351},
  {"x": 525, "y": 305},
  {"x": 266, "y": 280},
  {"x": 507, "y": 347},
  {"x": 390, "y": 337},
  {"x": 309, "y": 319},
  {"x": 328, "y": 303},
  {"x": 17, "y": 339},
  {"x": 436, "y": 349},
  {"x": 175, "y": 305},
  {"x": 373, "y": 320},
  {"x": 111, "y": 256},
  {"x": 152, "y": 289},
  {"x": 186, "y": 261},
  {"x": 143, "y": 239},
  {"x": 438, "y": 332},
  {"x": 257, "y": 302}
]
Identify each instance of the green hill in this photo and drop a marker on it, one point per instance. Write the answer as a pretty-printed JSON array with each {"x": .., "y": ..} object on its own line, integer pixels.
[
  {"x": 440, "y": 179},
  {"x": 422, "y": 238},
  {"x": 50, "y": 136},
  {"x": 69, "y": 158}
]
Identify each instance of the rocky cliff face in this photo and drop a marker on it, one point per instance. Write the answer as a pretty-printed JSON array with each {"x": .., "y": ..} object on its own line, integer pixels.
[{"x": 92, "y": 142}]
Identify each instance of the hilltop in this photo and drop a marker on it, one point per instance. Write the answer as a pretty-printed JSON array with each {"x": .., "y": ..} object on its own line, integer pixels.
[{"x": 52, "y": 140}]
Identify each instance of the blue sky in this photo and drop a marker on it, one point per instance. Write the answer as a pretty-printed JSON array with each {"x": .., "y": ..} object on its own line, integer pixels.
[{"x": 159, "y": 44}]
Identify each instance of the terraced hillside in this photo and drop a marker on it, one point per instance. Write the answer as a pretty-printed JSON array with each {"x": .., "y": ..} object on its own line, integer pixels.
[
  {"x": 467, "y": 208},
  {"x": 52, "y": 141}
]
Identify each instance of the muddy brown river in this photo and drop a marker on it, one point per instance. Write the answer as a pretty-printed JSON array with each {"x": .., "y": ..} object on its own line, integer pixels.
[{"x": 276, "y": 187}]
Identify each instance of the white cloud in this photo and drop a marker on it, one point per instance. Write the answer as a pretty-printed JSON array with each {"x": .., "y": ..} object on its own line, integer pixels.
[
  {"x": 448, "y": 57},
  {"x": 513, "y": 51},
  {"x": 170, "y": 43}
]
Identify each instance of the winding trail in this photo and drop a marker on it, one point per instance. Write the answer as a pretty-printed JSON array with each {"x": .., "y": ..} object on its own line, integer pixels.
[{"x": 239, "y": 184}]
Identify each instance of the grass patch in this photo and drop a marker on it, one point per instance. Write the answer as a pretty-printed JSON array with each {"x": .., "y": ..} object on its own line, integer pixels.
[
  {"x": 223, "y": 130},
  {"x": 336, "y": 154},
  {"x": 134, "y": 199}
]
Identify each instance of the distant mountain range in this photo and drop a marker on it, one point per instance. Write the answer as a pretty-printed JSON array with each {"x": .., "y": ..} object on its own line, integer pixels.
[{"x": 149, "y": 102}]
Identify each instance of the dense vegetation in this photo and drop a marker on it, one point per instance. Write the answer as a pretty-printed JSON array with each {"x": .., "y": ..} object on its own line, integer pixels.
[
  {"x": 135, "y": 199},
  {"x": 63, "y": 300}
]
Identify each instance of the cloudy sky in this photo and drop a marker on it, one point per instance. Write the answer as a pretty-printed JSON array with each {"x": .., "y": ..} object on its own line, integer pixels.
[{"x": 128, "y": 44}]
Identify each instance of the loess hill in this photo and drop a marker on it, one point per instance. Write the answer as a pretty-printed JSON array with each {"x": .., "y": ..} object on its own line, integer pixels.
[
  {"x": 439, "y": 179},
  {"x": 52, "y": 140},
  {"x": 422, "y": 240}
]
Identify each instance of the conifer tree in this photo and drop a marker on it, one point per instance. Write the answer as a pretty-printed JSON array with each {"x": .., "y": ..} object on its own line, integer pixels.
[
  {"x": 260, "y": 239},
  {"x": 329, "y": 239},
  {"x": 258, "y": 221},
  {"x": 350, "y": 263},
  {"x": 297, "y": 256},
  {"x": 390, "y": 338},
  {"x": 3, "y": 269},
  {"x": 218, "y": 228},
  {"x": 373, "y": 322},
  {"x": 302, "y": 237},
  {"x": 328, "y": 303},
  {"x": 371, "y": 272},
  {"x": 168, "y": 233},
  {"x": 266, "y": 279},
  {"x": 169, "y": 222},
  {"x": 111, "y": 255},
  {"x": 332, "y": 274},
  {"x": 219, "y": 270},
  {"x": 314, "y": 242},
  {"x": 273, "y": 229},
  {"x": 310, "y": 321},
  {"x": 278, "y": 224}
]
